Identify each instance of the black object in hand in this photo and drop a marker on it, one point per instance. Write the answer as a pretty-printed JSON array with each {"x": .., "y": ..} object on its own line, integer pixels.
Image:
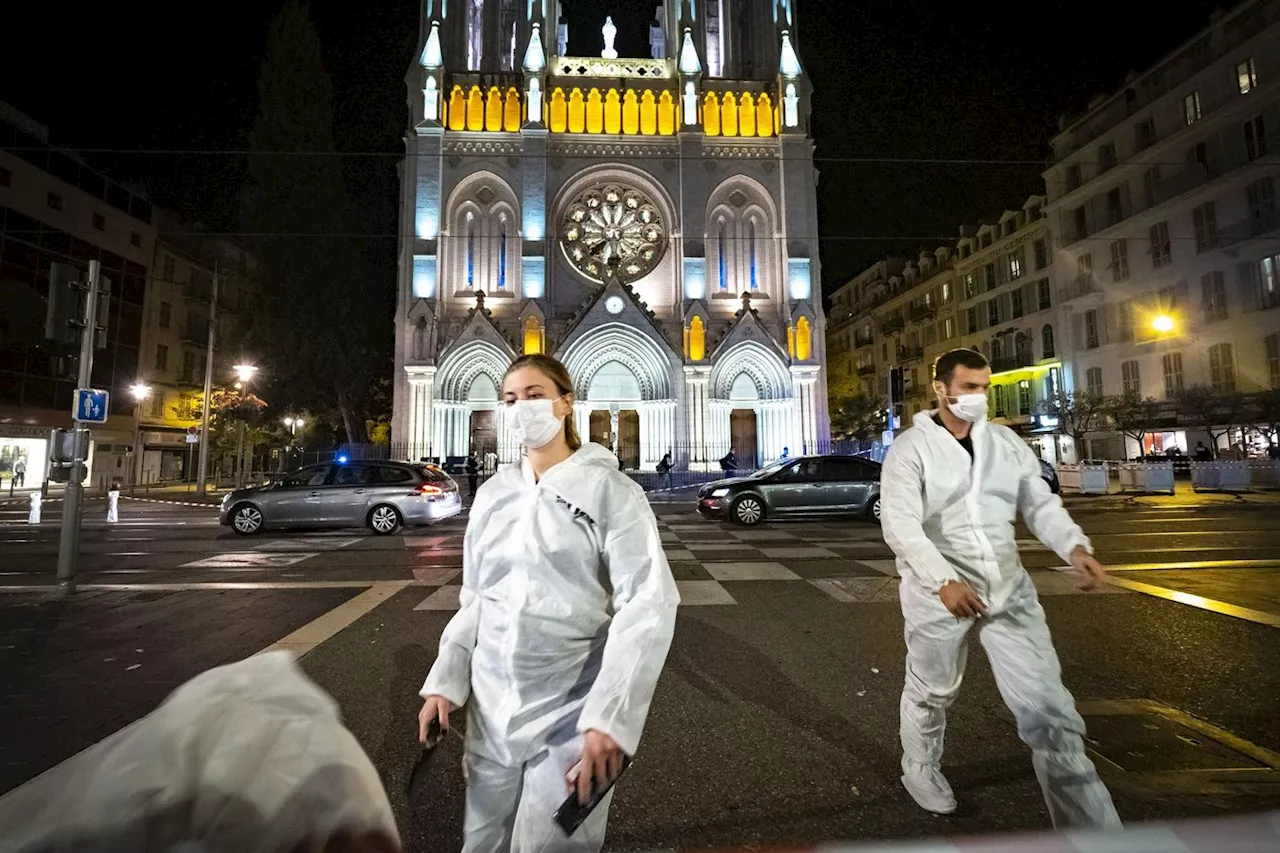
[
  {"x": 434, "y": 735},
  {"x": 572, "y": 813}
]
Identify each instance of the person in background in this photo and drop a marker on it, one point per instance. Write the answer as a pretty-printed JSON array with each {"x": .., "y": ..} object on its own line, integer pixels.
[
  {"x": 567, "y": 610},
  {"x": 19, "y": 472},
  {"x": 473, "y": 472},
  {"x": 1202, "y": 453},
  {"x": 664, "y": 471},
  {"x": 952, "y": 486},
  {"x": 729, "y": 463}
]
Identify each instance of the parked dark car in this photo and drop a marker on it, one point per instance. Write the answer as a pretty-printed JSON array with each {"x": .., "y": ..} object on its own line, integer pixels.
[
  {"x": 803, "y": 486},
  {"x": 383, "y": 496}
]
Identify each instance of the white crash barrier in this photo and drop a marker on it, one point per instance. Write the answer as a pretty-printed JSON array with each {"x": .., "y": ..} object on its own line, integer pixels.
[
  {"x": 1236, "y": 834},
  {"x": 1265, "y": 475},
  {"x": 33, "y": 515},
  {"x": 1085, "y": 479},
  {"x": 1226, "y": 475},
  {"x": 1150, "y": 477}
]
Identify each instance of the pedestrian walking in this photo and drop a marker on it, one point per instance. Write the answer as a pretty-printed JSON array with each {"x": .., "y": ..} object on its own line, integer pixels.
[
  {"x": 664, "y": 471},
  {"x": 951, "y": 486},
  {"x": 566, "y": 613},
  {"x": 473, "y": 472},
  {"x": 19, "y": 472}
]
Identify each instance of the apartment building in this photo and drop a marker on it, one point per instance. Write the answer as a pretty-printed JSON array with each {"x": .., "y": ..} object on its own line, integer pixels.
[
  {"x": 55, "y": 209},
  {"x": 1162, "y": 206},
  {"x": 175, "y": 341},
  {"x": 991, "y": 291}
]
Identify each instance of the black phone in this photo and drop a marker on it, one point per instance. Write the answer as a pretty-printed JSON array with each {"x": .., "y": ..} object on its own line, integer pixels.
[
  {"x": 572, "y": 813},
  {"x": 434, "y": 735}
]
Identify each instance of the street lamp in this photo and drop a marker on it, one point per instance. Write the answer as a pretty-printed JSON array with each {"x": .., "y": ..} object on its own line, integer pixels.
[
  {"x": 140, "y": 391},
  {"x": 244, "y": 373},
  {"x": 294, "y": 424}
]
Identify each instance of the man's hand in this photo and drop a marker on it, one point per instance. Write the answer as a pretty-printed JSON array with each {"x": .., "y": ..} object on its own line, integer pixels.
[
  {"x": 600, "y": 764},
  {"x": 962, "y": 601},
  {"x": 1089, "y": 573},
  {"x": 435, "y": 708}
]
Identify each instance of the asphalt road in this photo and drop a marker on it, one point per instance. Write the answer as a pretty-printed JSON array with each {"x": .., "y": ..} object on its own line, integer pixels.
[{"x": 776, "y": 718}]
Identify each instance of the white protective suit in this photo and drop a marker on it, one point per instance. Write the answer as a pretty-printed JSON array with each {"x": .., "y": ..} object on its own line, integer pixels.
[
  {"x": 567, "y": 611},
  {"x": 246, "y": 758},
  {"x": 949, "y": 517}
]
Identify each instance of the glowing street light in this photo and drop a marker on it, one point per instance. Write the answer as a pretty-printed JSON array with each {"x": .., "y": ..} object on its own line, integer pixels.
[
  {"x": 1162, "y": 323},
  {"x": 245, "y": 372},
  {"x": 140, "y": 391},
  {"x": 294, "y": 424}
]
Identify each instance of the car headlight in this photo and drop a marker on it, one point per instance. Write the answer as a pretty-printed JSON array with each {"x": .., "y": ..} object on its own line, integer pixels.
[{"x": 719, "y": 493}]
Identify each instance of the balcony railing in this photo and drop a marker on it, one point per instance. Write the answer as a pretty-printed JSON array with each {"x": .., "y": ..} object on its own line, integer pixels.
[
  {"x": 910, "y": 353},
  {"x": 194, "y": 333},
  {"x": 1006, "y": 363},
  {"x": 893, "y": 324},
  {"x": 1248, "y": 229},
  {"x": 863, "y": 341},
  {"x": 1081, "y": 285},
  {"x": 867, "y": 370},
  {"x": 920, "y": 312}
]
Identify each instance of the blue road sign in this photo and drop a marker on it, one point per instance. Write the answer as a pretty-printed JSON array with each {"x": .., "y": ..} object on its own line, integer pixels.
[{"x": 91, "y": 406}]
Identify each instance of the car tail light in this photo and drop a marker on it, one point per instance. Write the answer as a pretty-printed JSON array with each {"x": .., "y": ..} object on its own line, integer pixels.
[{"x": 428, "y": 489}]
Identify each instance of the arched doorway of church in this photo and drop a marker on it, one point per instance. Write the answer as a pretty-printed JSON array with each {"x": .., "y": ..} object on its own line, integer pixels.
[
  {"x": 482, "y": 400},
  {"x": 614, "y": 397},
  {"x": 744, "y": 438}
]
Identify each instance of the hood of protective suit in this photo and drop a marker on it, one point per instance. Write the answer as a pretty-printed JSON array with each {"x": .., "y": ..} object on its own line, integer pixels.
[
  {"x": 948, "y": 516},
  {"x": 247, "y": 757},
  {"x": 567, "y": 609}
]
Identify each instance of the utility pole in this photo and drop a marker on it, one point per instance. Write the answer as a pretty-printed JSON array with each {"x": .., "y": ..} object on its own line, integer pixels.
[
  {"x": 208, "y": 389},
  {"x": 73, "y": 496}
]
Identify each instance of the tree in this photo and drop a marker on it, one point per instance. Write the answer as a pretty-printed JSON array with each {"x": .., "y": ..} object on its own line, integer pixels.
[
  {"x": 325, "y": 331},
  {"x": 1132, "y": 414},
  {"x": 1214, "y": 412},
  {"x": 1079, "y": 414},
  {"x": 858, "y": 416}
]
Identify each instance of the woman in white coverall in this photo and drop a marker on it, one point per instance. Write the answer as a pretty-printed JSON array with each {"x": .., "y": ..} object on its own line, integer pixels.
[
  {"x": 566, "y": 614},
  {"x": 951, "y": 488}
]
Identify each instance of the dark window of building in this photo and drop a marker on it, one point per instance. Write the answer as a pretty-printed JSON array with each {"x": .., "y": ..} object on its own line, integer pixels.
[
  {"x": 6, "y": 177},
  {"x": 99, "y": 222},
  {"x": 135, "y": 239},
  {"x": 54, "y": 201}
]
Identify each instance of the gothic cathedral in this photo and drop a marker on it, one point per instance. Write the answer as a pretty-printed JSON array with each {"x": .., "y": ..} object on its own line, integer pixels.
[{"x": 650, "y": 221}]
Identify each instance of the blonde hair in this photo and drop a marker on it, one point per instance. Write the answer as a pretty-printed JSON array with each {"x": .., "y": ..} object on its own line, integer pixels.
[{"x": 559, "y": 376}]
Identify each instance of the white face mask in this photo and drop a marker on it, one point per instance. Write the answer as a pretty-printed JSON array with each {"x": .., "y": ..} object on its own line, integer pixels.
[
  {"x": 968, "y": 407},
  {"x": 533, "y": 423}
]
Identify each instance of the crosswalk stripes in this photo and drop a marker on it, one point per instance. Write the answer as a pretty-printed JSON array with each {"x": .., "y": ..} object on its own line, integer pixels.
[{"x": 275, "y": 554}]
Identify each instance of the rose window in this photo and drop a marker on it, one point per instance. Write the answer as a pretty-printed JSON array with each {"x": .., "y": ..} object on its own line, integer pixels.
[{"x": 613, "y": 226}]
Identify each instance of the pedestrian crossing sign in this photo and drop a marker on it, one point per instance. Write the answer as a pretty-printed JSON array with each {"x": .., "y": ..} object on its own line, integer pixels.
[{"x": 91, "y": 406}]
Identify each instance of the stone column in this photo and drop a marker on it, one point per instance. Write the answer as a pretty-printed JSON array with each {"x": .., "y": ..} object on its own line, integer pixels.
[
  {"x": 697, "y": 385},
  {"x": 806, "y": 428}
]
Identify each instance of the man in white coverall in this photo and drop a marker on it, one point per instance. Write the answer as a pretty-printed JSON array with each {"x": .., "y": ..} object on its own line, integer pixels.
[{"x": 951, "y": 488}]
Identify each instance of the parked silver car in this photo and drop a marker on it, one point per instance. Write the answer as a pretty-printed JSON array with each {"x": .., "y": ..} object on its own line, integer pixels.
[{"x": 383, "y": 496}]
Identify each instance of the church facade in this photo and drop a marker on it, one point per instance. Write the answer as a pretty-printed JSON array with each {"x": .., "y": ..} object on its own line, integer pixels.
[{"x": 651, "y": 222}]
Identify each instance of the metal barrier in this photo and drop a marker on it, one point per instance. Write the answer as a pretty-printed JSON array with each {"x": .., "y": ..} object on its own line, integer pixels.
[
  {"x": 1089, "y": 478},
  {"x": 1211, "y": 835},
  {"x": 1235, "y": 475},
  {"x": 1148, "y": 477}
]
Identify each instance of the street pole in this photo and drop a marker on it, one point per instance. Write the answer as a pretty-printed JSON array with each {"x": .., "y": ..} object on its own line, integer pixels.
[
  {"x": 137, "y": 448},
  {"x": 208, "y": 389},
  {"x": 69, "y": 542},
  {"x": 240, "y": 459}
]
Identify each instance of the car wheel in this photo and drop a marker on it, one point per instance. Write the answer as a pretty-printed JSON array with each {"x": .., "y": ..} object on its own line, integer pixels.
[
  {"x": 747, "y": 511},
  {"x": 873, "y": 511},
  {"x": 246, "y": 519},
  {"x": 385, "y": 520}
]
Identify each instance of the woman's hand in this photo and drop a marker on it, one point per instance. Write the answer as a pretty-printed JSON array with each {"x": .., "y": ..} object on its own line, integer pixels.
[
  {"x": 435, "y": 708},
  {"x": 600, "y": 765}
]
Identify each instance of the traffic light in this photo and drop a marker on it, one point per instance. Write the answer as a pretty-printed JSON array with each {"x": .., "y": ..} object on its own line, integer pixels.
[
  {"x": 64, "y": 316},
  {"x": 65, "y": 309},
  {"x": 68, "y": 449}
]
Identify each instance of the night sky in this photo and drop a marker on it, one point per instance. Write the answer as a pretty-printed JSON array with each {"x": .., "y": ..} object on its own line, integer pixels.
[{"x": 907, "y": 79}]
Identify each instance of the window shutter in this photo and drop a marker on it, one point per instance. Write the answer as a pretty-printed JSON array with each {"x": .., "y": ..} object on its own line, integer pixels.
[
  {"x": 1247, "y": 276},
  {"x": 1109, "y": 332},
  {"x": 1077, "y": 331}
]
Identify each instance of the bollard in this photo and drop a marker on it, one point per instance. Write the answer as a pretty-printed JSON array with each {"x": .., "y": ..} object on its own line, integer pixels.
[
  {"x": 33, "y": 517},
  {"x": 113, "y": 504}
]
